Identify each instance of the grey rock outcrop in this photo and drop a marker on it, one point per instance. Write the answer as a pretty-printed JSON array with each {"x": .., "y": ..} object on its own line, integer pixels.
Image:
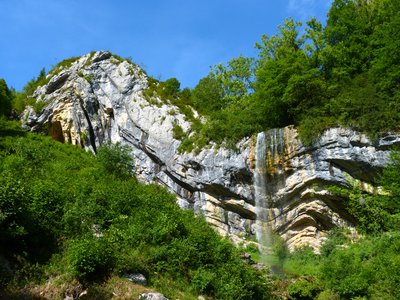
[
  {"x": 152, "y": 296},
  {"x": 100, "y": 98},
  {"x": 137, "y": 278}
]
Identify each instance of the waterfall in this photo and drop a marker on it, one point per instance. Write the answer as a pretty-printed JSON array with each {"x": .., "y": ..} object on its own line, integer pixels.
[{"x": 260, "y": 187}]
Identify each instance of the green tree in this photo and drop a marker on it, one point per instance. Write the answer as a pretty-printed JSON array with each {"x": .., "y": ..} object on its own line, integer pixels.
[
  {"x": 349, "y": 26},
  {"x": 389, "y": 180},
  {"x": 116, "y": 160},
  {"x": 385, "y": 42},
  {"x": 5, "y": 99},
  {"x": 288, "y": 74},
  {"x": 172, "y": 86},
  {"x": 236, "y": 79},
  {"x": 207, "y": 96}
]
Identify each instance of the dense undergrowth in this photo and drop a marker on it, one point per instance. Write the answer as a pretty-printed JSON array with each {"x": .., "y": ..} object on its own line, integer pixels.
[
  {"x": 67, "y": 214},
  {"x": 346, "y": 269}
]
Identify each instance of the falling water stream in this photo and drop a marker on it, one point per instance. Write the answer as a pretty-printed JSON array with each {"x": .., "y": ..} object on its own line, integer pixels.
[
  {"x": 260, "y": 186},
  {"x": 269, "y": 154}
]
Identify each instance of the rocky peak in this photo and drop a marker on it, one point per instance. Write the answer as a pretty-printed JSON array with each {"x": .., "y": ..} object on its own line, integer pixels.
[{"x": 101, "y": 98}]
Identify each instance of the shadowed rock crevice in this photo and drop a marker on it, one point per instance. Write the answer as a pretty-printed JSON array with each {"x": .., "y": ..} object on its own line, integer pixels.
[
  {"x": 57, "y": 82},
  {"x": 92, "y": 137},
  {"x": 358, "y": 170},
  {"x": 56, "y": 132}
]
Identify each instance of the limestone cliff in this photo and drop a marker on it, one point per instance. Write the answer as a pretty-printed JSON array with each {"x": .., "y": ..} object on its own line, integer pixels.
[{"x": 101, "y": 98}]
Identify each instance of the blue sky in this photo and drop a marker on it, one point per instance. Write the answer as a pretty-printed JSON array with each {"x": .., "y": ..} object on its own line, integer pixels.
[{"x": 169, "y": 38}]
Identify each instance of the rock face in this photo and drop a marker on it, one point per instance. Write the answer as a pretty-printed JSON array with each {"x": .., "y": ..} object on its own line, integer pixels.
[
  {"x": 100, "y": 98},
  {"x": 296, "y": 178}
]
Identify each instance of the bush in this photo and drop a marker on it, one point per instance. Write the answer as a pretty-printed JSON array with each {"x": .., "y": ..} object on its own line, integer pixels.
[
  {"x": 335, "y": 238},
  {"x": 302, "y": 261},
  {"x": 172, "y": 86},
  {"x": 303, "y": 288},
  {"x": 116, "y": 160},
  {"x": 177, "y": 132},
  {"x": 202, "y": 281},
  {"x": 5, "y": 99},
  {"x": 328, "y": 295},
  {"x": 364, "y": 269},
  {"x": 90, "y": 258}
]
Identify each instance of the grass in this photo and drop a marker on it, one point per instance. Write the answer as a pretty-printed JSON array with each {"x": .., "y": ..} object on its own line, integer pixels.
[{"x": 64, "y": 64}]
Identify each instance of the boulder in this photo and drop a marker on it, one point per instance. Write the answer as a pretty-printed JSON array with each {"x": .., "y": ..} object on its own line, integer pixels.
[
  {"x": 137, "y": 278},
  {"x": 152, "y": 296}
]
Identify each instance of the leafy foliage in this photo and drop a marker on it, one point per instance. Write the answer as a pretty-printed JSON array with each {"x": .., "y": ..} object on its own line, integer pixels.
[
  {"x": 116, "y": 160},
  {"x": 379, "y": 211},
  {"x": 172, "y": 86},
  {"x": 5, "y": 99},
  {"x": 90, "y": 218},
  {"x": 90, "y": 258},
  {"x": 365, "y": 269},
  {"x": 24, "y": 98},
  {"x": 368, "y": 268}
]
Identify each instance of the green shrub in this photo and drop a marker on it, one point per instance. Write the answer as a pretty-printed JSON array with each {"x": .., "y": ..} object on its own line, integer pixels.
[
  {"x": 302, "y": 261},
  {"x": 116, "y": 160},
  {"x": 202, "y": 280},
  {"x": 14, "y": 213},
  {"x": 55, "y": 197},
  {"x": 90, "y": 258},
  {"x": 367, "y": 268},
  {"x": 5, "y": 99},
  {"x": 303, "y": 288},
  {"x": 328, "y": 295},
  {"x": 177, "y": 132},
  {"x": 187, "y": 145},
  {"x": 172, "y": 86},
  {"x": 335, "y": 238}
]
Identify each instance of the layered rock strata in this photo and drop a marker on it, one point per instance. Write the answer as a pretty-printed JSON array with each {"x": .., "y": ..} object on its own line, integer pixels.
[{"x": 100, "y": 98}]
